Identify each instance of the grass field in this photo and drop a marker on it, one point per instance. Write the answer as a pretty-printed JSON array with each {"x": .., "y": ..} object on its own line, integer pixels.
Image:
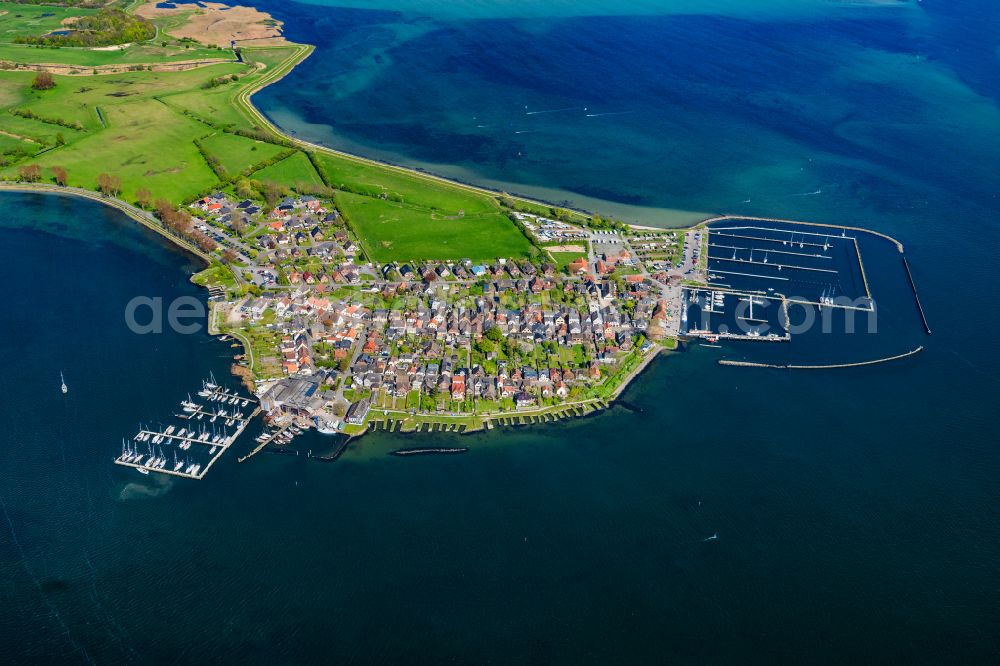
[
  {"x": 411, "y": 188},
  {"x": 236, "y": 152},
  {"x": 289, "y": 171},
  {"x": 392, "y": 231},
  {"x": 75, "y": 98},
  {"x": 563, "y": 259},
  {"x": 147, "y": 145},
  {"x": 36, "y": 129},
  {"x": 10, "y": 143},
  {"x": 216, "y": 105},
  {"x": 145, "y": 142}
]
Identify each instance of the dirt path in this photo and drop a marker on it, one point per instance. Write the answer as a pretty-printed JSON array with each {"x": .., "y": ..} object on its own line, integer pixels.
[{"x": 17, "y": 136}]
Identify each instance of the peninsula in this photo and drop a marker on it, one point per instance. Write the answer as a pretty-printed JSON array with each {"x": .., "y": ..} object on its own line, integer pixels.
[{"x": 364, "y": 294}]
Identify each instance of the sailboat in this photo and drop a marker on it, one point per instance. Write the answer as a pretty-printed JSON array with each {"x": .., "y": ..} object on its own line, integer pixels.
[{"x": 65, "y": 389}]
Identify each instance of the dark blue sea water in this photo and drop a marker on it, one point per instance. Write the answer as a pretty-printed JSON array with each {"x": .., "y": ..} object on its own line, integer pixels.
[{"x": 857, "y": 512}]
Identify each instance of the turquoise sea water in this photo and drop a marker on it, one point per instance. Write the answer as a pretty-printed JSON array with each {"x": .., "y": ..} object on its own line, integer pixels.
[
  {"x": 856, "y": 511},
  {"x": 880, "y": 112}
]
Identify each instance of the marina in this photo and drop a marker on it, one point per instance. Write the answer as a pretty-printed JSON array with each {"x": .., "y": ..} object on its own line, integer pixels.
[
  {"x": 772, "y": 280},
  {"x": 811, "y": 266},
  {"x": 189, "y": 450},
  {"x": 714, "y": 314}
]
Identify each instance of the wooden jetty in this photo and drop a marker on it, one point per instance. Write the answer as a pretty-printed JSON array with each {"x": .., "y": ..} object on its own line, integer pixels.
[
  {"x": 261, "y": 446},
  {"x": 219, "y": 394},
  {"x": 171, "y": 438},
  {"x": 199, "y": 414}
]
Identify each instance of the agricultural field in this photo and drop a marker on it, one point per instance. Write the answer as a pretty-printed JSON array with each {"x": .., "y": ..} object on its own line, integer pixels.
[
  {"x": 392, "y": 231},
  {"x": 217, "y": 105}
]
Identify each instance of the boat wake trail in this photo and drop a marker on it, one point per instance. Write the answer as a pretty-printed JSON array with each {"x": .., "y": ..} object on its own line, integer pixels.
[
  {"x": 535, "y": 113},
  {"x": 607, "y": 113}
]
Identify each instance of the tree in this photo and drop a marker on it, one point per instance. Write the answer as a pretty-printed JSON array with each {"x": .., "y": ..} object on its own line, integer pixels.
[
  {"x": 244, "y": 188},
  {"x": 229, "y": 256},
  {"x": 43, "y": 81},
  {"x": 109, "y": 185},
  {"x": 104, "y": 183},
  {"x": 59, "y": 174},
  {"x": 163, "y": 207},
  {"x": 60, "y": 139},
  {"x": 30, "y": 172},
  {"x": 272, "y": 193},
  {"x": 494, "y": 334},
  {"x": 239, "y": 225},
  {"x": 143, "y": 196}
]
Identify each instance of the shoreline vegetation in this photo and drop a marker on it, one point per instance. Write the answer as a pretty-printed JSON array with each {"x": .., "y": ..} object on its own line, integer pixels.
[{"x": 171, "y": 118}]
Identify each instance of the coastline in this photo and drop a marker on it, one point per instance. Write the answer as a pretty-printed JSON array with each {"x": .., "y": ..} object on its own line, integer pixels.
[
  {"x": 242, "y": 99},
  {"x": 136, "y": 214}
]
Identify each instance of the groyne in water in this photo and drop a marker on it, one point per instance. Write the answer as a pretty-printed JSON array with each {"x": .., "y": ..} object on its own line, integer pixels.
[
  {"x": 750, "y": 364},
  {"x": 428, "y": 451},
  {"x": 337, "y": 451},
  {"x": 916, "y": 297}
]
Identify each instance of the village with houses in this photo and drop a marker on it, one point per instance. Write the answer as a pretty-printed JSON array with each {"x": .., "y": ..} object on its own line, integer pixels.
[{"x": 336, "y": 341}]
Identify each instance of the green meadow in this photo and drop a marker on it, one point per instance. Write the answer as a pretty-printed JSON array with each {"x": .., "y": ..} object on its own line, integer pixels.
[
  {"x": 564, "y": 259},
  {"x": 391, "y": 231},
  {"x": 290, "y": 171},
  {"x": 236, "y": 153},
  {"x": 404, "y": 186},
  {"x": 403, "y": 215}
]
